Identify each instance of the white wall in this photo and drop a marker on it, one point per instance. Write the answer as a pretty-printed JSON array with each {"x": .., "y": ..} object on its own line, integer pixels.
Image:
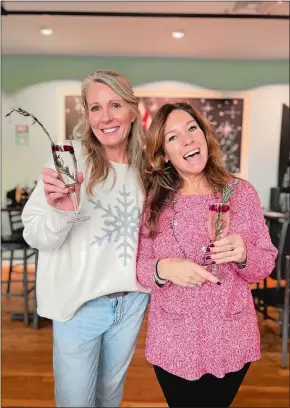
[
  {"x": 7, "y": 155},
  {"x": 7, "y": 144},
  {"x": 265, "y": 128},
  {"x": 22, "y": 163}
]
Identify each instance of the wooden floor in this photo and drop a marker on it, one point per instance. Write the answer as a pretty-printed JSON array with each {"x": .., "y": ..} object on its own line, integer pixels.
[{"x": 27, "y": 379}]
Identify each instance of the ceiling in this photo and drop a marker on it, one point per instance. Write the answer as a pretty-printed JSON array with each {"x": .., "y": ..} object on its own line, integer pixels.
[{"x": 211, "y": 31}]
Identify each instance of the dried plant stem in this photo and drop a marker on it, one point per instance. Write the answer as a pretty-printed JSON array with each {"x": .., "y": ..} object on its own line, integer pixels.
[
  {"x": 35, "y": 120},
  {"x": 62, "y": 168}
]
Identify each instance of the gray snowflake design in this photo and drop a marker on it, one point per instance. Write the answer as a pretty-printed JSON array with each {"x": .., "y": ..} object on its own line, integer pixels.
[{"x": 121, "y": 224}]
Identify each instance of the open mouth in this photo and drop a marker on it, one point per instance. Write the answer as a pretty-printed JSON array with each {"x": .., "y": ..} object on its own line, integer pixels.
[
  {"x": 191, "y": 154},
  {"x": 110, "y": 130}
]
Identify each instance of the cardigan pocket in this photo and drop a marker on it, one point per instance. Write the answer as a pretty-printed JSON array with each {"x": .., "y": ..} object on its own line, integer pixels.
[
  {"x": 170, "y": 315},
  {"x": 236, "y": 314},
  {"x": 240, "y": 306}
]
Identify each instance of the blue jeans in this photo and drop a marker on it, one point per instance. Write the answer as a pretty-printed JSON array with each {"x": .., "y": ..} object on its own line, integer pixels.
[{"x": 92, "y": 351}]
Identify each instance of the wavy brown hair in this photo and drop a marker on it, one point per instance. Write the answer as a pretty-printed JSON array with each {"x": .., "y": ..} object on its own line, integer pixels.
[
  {"x": 162, "y": 179},
  {"x": 96, "y": 159}
]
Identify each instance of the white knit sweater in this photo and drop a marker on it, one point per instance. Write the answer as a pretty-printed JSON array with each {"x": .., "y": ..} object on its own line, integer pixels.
[{"x": 82, "y": 261}]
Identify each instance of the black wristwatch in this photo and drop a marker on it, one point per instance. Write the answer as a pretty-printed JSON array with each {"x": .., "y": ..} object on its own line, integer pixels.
[{"x": 242, "y": 265}]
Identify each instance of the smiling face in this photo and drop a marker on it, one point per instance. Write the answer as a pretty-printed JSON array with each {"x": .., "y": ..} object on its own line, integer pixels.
[
  {"x": 185, "y": 144},
  {"x": 110, "y": 118}
]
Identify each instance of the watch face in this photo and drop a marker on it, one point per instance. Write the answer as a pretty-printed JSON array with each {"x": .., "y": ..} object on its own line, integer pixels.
[{"x": 242, "y": 265}]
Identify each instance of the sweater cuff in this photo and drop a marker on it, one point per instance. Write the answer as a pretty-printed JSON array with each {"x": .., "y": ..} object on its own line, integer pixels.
[{"x": 63, "y": 219}]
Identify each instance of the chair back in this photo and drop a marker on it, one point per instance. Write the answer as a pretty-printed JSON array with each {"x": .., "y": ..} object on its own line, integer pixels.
[{"x": 15, "y": 222}]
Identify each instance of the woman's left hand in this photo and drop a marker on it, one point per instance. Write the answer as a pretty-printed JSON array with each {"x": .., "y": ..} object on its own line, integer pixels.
[{"x": 229, "y": 249}]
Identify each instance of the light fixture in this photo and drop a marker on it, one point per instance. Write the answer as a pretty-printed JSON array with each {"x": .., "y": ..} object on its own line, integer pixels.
[
  {"x": 177, "y": 34},
  {"x": 46, "y": 31}
]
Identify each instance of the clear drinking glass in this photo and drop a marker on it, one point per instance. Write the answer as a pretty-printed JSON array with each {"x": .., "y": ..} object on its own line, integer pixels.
[
  {"x": 66, "y": 166},
  {"x": 218, "y": 226}
]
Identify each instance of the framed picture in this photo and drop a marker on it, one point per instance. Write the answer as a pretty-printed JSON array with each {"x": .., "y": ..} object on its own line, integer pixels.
[
  {"x": 228, "y": 113},
  {"x": 70, "y": 111}
]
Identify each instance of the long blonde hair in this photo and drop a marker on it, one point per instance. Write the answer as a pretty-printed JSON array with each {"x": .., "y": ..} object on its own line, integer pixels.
[
  {"x": 96, "y": 159},
  {"x": 163, "y": 180}
]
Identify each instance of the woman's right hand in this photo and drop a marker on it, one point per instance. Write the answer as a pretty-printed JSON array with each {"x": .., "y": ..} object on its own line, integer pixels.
[
  {"x": 184, "y": 272},
  {"x": 56, "y": 192}
]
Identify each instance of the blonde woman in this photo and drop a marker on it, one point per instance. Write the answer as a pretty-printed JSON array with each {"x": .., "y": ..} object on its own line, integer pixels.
[{"x": 86, "y": 273}]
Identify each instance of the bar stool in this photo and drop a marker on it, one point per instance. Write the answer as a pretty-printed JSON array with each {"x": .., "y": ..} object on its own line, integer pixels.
[{"x": 12, "y": 243}]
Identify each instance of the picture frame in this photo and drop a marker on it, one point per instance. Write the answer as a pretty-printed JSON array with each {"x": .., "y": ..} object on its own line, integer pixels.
[{"x": 228, "y": 113}]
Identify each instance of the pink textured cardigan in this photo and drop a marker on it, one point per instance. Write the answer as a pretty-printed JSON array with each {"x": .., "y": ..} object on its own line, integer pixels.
[{"x": 208, "y": 329}]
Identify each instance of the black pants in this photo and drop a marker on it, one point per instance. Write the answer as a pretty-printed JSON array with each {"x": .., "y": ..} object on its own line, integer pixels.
[{"x": 207, "y": 391}]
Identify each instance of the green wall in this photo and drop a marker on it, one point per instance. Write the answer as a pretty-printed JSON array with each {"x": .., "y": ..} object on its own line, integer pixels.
[{"x": 19, "y": 71}]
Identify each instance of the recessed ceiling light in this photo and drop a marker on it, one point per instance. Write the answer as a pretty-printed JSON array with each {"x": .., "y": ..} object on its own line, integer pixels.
[
  {"x": 177, "y": 34},
  {"x": 46, "y": 31}
]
